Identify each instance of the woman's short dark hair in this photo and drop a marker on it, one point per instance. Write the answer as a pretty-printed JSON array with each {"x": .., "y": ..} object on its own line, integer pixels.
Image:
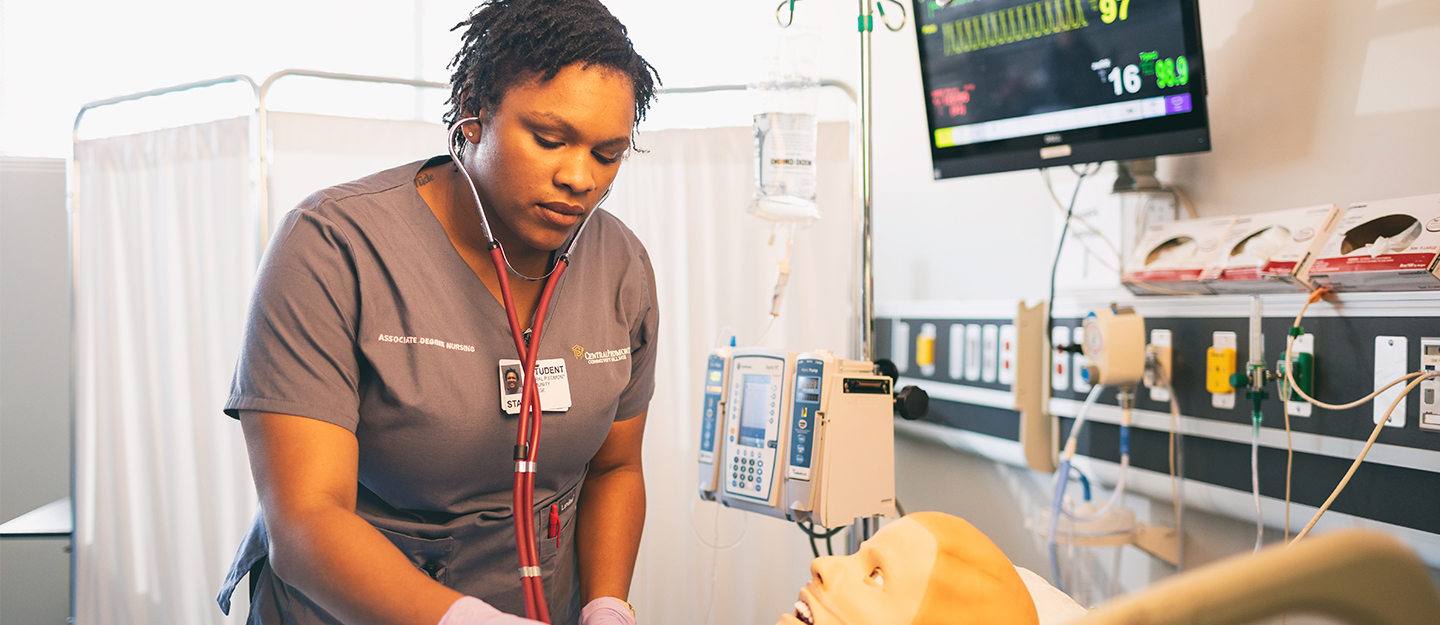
[{"x": 507, "y": 42}]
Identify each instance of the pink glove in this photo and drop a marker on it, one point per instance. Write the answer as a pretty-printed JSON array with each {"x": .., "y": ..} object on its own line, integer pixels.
[
  {"x": 607, "y": 611},
  {"x": 472, "y": 611}
]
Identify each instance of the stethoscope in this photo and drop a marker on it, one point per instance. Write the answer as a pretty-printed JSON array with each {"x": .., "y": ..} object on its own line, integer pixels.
[{"x": 527, "y": 437}]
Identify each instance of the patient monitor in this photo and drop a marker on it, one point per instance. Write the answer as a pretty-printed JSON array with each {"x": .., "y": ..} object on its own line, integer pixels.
[{"x": 802, "y": 437}]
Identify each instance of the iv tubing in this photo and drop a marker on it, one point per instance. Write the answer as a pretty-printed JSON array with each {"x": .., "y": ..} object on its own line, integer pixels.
[
  {"x": 1255, "y": 480},
  {"x": 1119, "y": 492},
  {"x": 1062, "y": 479},
  {"x": 1290, "y": 355},
  {"x": 1364, "y": 450}
]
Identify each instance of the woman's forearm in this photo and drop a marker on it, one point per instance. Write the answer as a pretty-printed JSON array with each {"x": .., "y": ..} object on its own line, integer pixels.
[
  {"x": 305, "y": 475},
  {"x": 345, "y": 565},
  {"x": 610, "y": 520}
]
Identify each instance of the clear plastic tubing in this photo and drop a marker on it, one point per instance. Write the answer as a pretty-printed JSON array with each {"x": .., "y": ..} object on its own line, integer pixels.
[{"x": 1257, "y": 347}]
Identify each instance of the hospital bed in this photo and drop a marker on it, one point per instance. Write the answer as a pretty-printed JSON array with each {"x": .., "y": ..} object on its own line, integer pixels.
[{"x": 1361, "y": 577}]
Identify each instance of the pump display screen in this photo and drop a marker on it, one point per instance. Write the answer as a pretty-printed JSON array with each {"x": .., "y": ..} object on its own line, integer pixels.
[
  {"x": 1016, "y": 84},
  {"x": 754, "y": 409},
  {"x": 807, "y": 389}
]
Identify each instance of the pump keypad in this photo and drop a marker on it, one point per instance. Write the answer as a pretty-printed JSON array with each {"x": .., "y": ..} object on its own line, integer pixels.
[{"x": 747, "y": 470}]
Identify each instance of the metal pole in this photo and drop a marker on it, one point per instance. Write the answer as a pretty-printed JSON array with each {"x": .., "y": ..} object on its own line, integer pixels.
[
  {"x": 864, "y": 528},
  {"x": 867, "y": 175}
]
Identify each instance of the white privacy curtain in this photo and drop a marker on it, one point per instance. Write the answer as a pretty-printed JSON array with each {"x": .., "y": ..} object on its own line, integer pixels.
[
  {"x": 686, "y": 199},
  {"x": 165, "y": 231},
  {"x": 311, "y": 152}
]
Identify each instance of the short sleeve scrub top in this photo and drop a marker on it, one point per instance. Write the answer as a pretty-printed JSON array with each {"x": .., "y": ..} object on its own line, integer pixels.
[{"x": 365, "y": 316}]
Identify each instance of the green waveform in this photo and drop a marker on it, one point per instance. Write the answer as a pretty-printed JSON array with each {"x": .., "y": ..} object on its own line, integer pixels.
[{"x": 997, "y": 28}]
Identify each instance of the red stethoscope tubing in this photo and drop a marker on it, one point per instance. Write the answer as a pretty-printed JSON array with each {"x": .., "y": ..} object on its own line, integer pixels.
[{"x": 527, "y": 434}]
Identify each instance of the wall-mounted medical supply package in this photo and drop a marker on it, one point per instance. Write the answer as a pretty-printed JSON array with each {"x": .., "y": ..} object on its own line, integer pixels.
[
  {"x": 1386, "y": 245},
  {"x": 1264, "y": 252},
  {"x": 1170, "y": 257}
]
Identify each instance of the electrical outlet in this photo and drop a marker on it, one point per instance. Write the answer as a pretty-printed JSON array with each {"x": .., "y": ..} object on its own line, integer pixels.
[
  {"x": 956, "y": 362},
  {"x": 925, "y": 349},
  {"x": 1078, "y": 361},
  {"x": 1059, "y": 361},
  {"x": 1160, "y": 345},
  {"x": 1430, "y": 389},
  {"x": 1304, "y": 367},
  {"x": 1390, "y": 364},
  {"x": 972, "y": 352},
  {"x": 1219, "y": 366},
  {"x": 900, "y": 345},
  {"x": 990, "y": 354},
  {"x": 1007, "y": 354}
]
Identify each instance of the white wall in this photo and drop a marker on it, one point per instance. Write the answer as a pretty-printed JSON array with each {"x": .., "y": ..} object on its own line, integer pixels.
[{"x": 34, "y": 384}]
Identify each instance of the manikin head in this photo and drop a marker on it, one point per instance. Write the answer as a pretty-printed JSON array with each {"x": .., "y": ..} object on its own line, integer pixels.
[{"x": 927, "y": 568}]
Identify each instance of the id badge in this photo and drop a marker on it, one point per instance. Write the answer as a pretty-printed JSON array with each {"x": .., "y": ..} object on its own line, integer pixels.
[{"x": 551, "y": 379}]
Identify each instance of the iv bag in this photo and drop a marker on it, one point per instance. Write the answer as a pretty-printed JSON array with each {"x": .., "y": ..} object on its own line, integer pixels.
[{"x": 785, "y": 130}]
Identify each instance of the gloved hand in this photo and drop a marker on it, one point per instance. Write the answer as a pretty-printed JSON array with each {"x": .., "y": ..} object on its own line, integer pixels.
[
  {"x": 472, "y": 611},
  {"x": 607, "y": 611}
]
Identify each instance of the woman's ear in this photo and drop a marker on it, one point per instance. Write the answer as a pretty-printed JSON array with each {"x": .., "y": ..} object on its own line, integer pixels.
[{"x": 472, "y": 129}]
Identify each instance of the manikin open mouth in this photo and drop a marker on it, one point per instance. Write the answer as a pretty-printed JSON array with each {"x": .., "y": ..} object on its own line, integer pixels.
[{"x": 802, "y": 612}]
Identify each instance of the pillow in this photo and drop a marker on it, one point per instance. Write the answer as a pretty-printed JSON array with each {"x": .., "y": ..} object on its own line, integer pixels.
[{"x": 1054, "y": 607}]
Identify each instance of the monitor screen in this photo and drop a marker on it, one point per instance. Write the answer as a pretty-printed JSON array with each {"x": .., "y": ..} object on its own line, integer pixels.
[
  {"x": 755, "y": 409},
  {"x": 1015, "y": 84}
]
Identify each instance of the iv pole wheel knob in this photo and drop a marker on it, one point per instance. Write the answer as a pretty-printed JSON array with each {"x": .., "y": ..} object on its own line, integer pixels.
[{"x": 912, "y": 403}]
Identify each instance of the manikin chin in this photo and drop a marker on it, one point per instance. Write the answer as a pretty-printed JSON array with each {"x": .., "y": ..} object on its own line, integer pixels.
[{"x": 926, "y": 568}]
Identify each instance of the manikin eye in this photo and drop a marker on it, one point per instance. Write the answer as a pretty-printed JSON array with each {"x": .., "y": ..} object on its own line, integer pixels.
[{"x": 876, "y": 577}]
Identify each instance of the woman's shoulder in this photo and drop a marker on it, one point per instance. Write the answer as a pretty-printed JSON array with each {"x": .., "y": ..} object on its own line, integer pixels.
[
  {"x": 358, "y": 198},
  {"x": 613, "y": 235}
]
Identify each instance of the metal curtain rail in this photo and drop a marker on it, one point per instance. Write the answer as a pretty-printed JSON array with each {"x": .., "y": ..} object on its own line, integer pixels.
[{"x": 264, "y": 113}]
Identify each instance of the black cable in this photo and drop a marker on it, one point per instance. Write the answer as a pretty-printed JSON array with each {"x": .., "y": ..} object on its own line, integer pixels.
[
  {"x": 1054, "y": 265},
  {"x": 826, "y": 534},
  {"x": 809, "y": 531}
]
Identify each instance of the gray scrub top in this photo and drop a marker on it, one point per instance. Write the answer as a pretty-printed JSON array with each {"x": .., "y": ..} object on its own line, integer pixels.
[{"x": 365, "y": 316}]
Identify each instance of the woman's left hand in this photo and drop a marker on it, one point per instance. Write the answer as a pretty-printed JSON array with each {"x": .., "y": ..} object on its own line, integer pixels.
[{"x": 607, "y": 611}]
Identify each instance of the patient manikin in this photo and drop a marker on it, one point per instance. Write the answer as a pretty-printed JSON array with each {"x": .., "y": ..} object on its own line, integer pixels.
[{"x": 927, "y": 568}]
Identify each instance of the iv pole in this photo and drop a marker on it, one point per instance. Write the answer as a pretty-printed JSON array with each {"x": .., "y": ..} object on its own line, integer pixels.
[
  {"x": 866, "y": 527},
  {"x": 863, "y": 528}
]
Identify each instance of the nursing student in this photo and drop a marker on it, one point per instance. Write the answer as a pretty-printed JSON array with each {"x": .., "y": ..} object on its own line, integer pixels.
[{"x": 376, "y": 379}]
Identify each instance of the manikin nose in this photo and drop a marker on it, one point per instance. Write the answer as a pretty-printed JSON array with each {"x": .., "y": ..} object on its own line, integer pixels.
[{"x": 825, "y": 569}]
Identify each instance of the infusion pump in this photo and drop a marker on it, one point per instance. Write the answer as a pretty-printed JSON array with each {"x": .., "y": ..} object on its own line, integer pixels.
[{"x": 803, "y": 437}]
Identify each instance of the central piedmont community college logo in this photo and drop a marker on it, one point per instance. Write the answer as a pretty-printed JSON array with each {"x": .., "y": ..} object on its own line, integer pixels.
[{"x": 602, "y": 356}]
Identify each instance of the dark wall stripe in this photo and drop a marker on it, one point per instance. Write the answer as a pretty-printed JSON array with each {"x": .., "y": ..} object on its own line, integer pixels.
[{"x": 1345, "y": 351}]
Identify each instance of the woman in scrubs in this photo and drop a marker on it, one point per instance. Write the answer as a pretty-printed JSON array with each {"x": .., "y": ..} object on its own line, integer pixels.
[{"x": 371, "y": 385}]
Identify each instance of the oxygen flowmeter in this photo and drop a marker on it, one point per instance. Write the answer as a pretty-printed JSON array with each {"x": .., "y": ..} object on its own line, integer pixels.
[{"x": 803, "y": 437}]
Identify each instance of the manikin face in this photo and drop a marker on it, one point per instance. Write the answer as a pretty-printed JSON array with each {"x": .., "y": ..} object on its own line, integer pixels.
[
  {"x": 545, "y": 156},
  {"x": 881, "y": 584}
]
